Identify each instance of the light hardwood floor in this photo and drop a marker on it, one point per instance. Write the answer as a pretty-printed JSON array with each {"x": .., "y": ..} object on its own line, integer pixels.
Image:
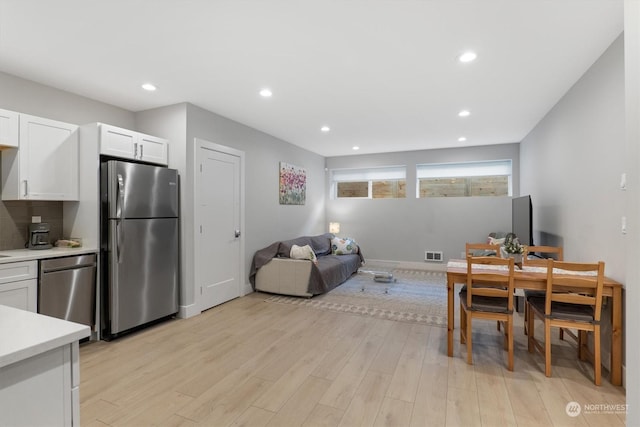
[{"x": 253, "y": 363}]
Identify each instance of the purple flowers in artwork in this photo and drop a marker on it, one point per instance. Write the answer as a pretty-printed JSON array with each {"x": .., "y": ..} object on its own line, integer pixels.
[{"x": 293, "y": 184}]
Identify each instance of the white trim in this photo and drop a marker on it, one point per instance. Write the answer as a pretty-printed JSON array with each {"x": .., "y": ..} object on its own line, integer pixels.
[
  {"x": 203, "y": 144},
  {"x": 186, "y": 311}
]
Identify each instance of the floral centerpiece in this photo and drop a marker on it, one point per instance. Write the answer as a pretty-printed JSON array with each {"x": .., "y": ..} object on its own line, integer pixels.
[
  {"x": 512, "y": 248},
  {"x": 512, "y": 245}
]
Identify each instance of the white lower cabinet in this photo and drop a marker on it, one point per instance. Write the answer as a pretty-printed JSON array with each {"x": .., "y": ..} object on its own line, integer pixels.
[
  {"x": 19, "y": 285},
  {"x": 42, "y": 390}
]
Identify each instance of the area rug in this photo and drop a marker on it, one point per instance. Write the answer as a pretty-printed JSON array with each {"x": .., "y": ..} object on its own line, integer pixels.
[{"x": 416, "y": 296}]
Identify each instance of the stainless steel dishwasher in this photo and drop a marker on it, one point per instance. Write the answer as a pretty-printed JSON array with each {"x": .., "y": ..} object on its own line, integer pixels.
[{"x": 67, "y": 288}]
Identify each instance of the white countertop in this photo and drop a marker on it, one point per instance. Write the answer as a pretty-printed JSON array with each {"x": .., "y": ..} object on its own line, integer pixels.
[
  {"x": 24, "y": 334},
  {"x": 16, "y": 255}
]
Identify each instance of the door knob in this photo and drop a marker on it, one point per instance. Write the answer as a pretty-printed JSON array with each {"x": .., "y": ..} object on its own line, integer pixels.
[{"x": 237, "y": 233}]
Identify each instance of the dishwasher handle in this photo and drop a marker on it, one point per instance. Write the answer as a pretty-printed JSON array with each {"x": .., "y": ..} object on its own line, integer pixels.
[{"x": 67, "y": 263}]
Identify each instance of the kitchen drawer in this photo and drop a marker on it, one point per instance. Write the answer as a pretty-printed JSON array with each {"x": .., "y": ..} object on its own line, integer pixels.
[{"x": 16, "y": 271}]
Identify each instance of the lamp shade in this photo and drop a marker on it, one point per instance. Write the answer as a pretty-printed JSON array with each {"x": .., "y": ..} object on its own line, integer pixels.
[{"x": 334, "y": 227}]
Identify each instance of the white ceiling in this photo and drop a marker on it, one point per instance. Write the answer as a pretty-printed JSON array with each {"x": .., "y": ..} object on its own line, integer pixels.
[{"x": 382, "y": 74}]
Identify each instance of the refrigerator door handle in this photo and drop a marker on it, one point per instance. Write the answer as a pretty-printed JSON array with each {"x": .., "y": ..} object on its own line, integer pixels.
[
  {"x": 119, "y": 240},
  {"x": 120, "y": 199},
  {"x": 120, "y": 215}
]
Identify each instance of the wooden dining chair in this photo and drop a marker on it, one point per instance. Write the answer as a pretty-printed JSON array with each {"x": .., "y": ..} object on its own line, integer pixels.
[
  {"x": 488, "y": 295},
  {"x": 537, "y": 256},
  {"x": 482, "y": 249},
  {"x": 573, "y": 300}
]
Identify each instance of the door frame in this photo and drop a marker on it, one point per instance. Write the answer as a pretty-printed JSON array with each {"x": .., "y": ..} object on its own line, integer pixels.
[{"x": 207, "y": 145}]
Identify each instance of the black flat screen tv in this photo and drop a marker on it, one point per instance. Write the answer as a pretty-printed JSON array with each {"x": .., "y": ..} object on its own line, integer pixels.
[{"x": 522, "y": 219}]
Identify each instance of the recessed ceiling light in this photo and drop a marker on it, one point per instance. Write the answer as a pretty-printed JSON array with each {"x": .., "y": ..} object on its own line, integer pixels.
[
  {"x": 325, "y": 128},
  {"x": 266, "y": 93},
  {"x": 468, "y": 56},
  {"x": 355, "y": 147},
  {"x": 464, "y": 113},
  {"x": 462, "y": 139},
  {"x": 149, "y": 87}
]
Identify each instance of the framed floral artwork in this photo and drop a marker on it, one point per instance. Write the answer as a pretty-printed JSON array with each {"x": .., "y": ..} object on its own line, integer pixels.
[{"x": 293, "y": 184}]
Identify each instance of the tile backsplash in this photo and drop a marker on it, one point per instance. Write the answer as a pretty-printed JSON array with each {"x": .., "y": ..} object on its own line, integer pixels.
[{"x": 15, "y": 217}]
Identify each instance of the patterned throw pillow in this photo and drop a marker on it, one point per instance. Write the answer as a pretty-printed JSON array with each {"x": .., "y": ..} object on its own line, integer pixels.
[{"x": 343, "y": 246}]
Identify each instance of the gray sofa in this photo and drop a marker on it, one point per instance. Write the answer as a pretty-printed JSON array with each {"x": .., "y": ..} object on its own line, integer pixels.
[{"x": 273, "y": 271}]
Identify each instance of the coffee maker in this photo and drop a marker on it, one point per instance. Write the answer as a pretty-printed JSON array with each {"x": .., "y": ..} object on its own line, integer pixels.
[{"x": 39, "y": 236}]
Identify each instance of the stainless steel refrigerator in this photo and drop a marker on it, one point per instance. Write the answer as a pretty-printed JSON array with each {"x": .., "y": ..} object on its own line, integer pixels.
[{"x": 139, "y": 245}]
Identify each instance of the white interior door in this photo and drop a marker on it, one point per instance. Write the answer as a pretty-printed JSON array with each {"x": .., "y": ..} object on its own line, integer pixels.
[{"x": 219, "y": 243}]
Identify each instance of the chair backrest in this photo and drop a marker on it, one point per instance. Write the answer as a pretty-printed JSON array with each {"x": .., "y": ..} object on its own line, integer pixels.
[
  {"x": 490, "y": 277},
  {"x": 575, "y": 283},
  {"x": 481, "y": 249},
  {"x": 546, "y": 252}
]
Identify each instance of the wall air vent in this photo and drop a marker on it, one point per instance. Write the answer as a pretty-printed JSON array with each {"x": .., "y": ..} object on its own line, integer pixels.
[{"x": 433, "y": 256}]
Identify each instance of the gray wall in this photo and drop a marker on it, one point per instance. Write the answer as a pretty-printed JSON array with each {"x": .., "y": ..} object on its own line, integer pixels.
[
  {"x": 632, "y": 207},
  {"x": 266, "y": 220},
  {"x": 25, "y": 96},
  {"x": 571, "y": 165},
  {"x": 403, "y": 229}
]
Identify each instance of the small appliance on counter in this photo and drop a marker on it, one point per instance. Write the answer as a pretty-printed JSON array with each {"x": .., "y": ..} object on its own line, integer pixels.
[{"x": 39, "y": 236}]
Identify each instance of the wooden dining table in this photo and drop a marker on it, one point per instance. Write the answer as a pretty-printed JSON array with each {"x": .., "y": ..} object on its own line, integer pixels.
[{"x": 534, "y": 278}]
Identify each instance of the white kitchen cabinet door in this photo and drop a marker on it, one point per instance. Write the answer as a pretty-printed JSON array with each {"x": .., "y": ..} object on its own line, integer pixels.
[
  {"x": 153, "y": 149},
  {"x": 19, "y": 285},
  {"x": 118, "y": 142},
  {"x": 45, "y": 166},
  {"x": 22, "y": 295},
  {"x": 8, "y": 128}
]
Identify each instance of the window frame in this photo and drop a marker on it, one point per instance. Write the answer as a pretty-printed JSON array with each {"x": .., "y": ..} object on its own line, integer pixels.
[
  {"x": 465, "y": 170},
  {"x": 369, "y": 175}
]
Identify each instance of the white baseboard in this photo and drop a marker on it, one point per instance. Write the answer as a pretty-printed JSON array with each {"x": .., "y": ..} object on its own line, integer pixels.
[
  {"x": 409, "y": 265},
  {"x": 187, "y": 311},
  {"x": 248, "y": 289}
]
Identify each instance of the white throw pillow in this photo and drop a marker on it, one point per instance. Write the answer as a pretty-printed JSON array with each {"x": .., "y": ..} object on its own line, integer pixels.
[{"x": 303, "y": 252}]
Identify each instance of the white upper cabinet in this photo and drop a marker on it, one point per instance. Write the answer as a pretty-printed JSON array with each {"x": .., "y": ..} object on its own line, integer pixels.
[
  {"x": 153, "y": 149},
  {"x": 117, "y": 142},
  {"x": 8, "y": 129},
  {"x": 128, "y": 144},
  {"x": 45, "y": 164}
]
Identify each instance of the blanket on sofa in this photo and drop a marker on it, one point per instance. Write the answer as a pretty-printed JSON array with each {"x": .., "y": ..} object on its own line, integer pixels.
[{"x": 330, "y": 270}]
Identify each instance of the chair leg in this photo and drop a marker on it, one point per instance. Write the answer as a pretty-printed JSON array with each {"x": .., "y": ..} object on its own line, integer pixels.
[
  {"x": 498, "y": 325},
  {"x": 597, "y": 363},
  {"x": 463, "y": 325},
  {"x": 583, "y": 345},
  {"x": 509, "y": 328},
  {"x": 531, "y": 334},
  {"x": 526, "y": 315},
  {"x": 547, "y": 348},
  {"x": 469, "y": 334},
  {"x": 561, "y": 334}
]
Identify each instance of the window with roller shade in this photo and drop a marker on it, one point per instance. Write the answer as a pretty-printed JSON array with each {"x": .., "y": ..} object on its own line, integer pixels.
[
  {"x": 387, "y": 182},
  {"x": 469, "y": 179}
]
